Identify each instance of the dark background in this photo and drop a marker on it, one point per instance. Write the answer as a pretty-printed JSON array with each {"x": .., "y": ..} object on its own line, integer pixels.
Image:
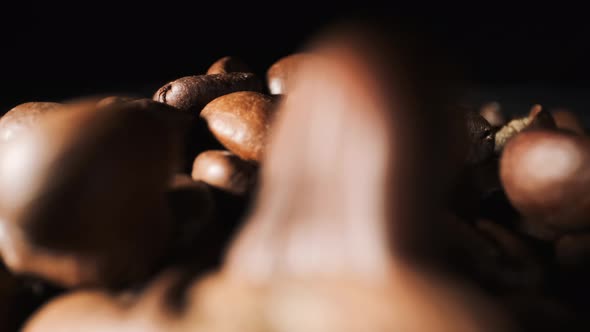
[{"x": 52, "y": 52}]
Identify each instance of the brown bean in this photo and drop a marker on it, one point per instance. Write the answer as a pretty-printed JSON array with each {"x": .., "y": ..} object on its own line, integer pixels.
[
  {"x": 192, "y": 93},
  {"x": 83, "y": 199},
  {"x": 481, "y": 138},
  {"x": 106, "y": 101},
  {"x": 280, "y": 75},
  {"x": 229, "y": 64},
  {"x": 241, "y": 121},
  {"x": 24, "y": 117},
  {"x": 492, "y": 112},
  {"x": 546, "y": 176},
  {"x": 538, "y": 118},
  {"x": 224, "y": 170},
  {"x": 568, "y": 120},
  {"x": 333, "y": 181},
  {"x": 339, "y": 194}
]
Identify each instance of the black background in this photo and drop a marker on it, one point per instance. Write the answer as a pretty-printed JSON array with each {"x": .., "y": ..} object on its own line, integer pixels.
[{"x": 52, "y": 52}]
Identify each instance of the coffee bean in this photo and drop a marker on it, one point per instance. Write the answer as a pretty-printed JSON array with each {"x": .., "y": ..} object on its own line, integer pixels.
[
  {"x": 492, "y": 112},
  {"x": 538, "y": 118},
  {"x": 24, "y": 117},
  {"x": 192, "y": 93},
  {"x": 113, "y": 100},
  {"x": 241, "y": 121},
  {"x": 357, "y": 164},
  {"x": 224, "y": 170},
  {"x": 229, "y": 64},
  {"x": 481, "y": 138},
  {"x": 83, "y": 199},
  {"x": 280, "y": 75},
  {"x": 568, "y": 120},
  {"x": 546, "y": 176},
  {"x": 335, "y": 178}
]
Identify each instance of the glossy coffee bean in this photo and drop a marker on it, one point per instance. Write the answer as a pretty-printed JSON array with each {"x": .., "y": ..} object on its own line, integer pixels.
[
  {"x": 546, "y": 176},
  {"x": 481, "y": 138},
  {"x": 492, "y": 112},
  {"x": 538, "y": 118},
  {"x": 106, "y": 101},
  {"x": 83, "y": 196},
  {"x": 241, "y": 122},
  {"x": 23, "y": 117},
  {"x": 224, "y": 170},
  {"x": 568, "y": 120},
  {"x": 229, "y": 64},
  {"x": 192, "y": 93},
  {"x": 280, "y": 75}
]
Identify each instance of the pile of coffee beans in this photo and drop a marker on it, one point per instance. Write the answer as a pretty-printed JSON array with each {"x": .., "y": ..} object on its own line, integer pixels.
[{"x": 346, "y": 190}]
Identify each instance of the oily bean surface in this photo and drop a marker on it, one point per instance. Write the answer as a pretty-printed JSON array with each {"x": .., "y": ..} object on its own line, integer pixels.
[
  {"x": 229, "y": 64},
  {"x": 192, "y": 93},
  {"x": 546, "y": 176},
  {"x": 24, "y": 117},
  {"x": 85, "y": 175},
  {"x": 224, "y": 170},
  {"x": 280, "y": 75},
  {"x": 241, "y": 122}
]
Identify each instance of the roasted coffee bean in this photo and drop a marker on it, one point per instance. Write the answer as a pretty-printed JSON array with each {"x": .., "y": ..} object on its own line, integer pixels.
[
  {"x": 492, "y": 112},
  {"x": 280, "y": 75},
  {"x": 537, "y": 119},
  {"x": 83, "y": 197},
  {"x": 568, "y": 120},
  {"x": 106, "y": 101},
  {"x": 540, "y": 118},
  {"x": 481, "y": 138},
  {"x": 224, "y": 170},
  {"x": 192, "y": 93},
  {"x": 241, "y": 121},
  {"x": 340, "y": 191},
  {"x": 229, "y": 64},
  {"x": 332, "y": 125},
  {"x": 23, "y": 117},
  {"x": 546, "y": 176}
]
